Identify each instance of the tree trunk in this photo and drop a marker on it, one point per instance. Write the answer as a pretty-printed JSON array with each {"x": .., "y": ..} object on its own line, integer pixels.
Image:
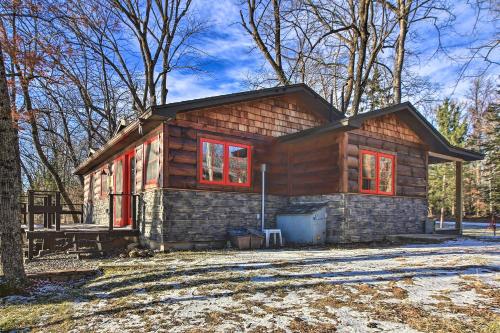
[
  {"x": 10, "y": 189},
  {"x": 403, "y": 12},
  {"x": 359, "y": 87},
  {"x": 441, "y": 220}
]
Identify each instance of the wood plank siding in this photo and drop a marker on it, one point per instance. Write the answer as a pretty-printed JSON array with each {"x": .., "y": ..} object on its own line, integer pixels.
[
  {"x": 254, "y": 123},
  {"x": 389, "y": 134},
  {"x": 319, "y": 164},
  {"x": 182, "y": 160}
]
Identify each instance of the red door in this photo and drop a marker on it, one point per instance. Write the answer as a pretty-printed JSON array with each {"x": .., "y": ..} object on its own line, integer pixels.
[
  {"x": 129, "y": 185},
  {"x": 119, "y": 190},
  {"x": 124, "y": 185}
]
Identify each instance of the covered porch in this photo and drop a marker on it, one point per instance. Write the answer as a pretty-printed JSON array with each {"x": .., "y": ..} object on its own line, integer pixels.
[{"x": 458, "y": 163}]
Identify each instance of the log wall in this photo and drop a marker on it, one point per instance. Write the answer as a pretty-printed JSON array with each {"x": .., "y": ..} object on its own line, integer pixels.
[
  {"x": 181, "y": 167},
  {"x": 310, "y": 166}
]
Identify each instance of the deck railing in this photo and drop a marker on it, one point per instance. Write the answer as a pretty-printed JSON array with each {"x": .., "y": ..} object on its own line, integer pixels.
[
  {"x": 48, "y": 204},
  {"x": 135, "y": 200}
]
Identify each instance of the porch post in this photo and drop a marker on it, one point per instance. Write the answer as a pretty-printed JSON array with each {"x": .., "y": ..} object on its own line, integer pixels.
[
  {"x": 110, "y": 215},
  {"x": 58, "y": 211},
  {"x": 458, "y": 196}
]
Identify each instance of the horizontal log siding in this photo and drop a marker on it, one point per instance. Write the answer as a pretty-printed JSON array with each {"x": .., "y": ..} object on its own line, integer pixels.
[
  {"x": 268, "y": 117},
  {"x": 182, "y": 160},
  {"x": 308, "y": 167},
  {"x": 411, "y": 155}
]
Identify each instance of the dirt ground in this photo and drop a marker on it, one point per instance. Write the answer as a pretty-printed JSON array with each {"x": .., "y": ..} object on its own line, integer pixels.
[{"x": 449, "y": 287}]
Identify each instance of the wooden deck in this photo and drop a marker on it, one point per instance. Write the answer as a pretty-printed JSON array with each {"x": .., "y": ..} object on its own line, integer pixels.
[
  {"x": 71, "y": 227},
  {"x": 72, "y": 238}
]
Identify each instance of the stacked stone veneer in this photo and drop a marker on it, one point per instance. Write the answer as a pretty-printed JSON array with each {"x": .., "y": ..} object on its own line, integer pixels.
[
  {"x": 151, "y": 216},
  {"x": 96, "y": 211},
  {"x": 201, "y": 216},
  {"x": 366, "y": 218},
  {"x": 170, "y": 216}
]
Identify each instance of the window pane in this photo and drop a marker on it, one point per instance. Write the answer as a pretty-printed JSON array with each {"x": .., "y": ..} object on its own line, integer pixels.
[
  {"x": 213, "y": 162},
  {"x": 385, "y": 174},
  {"x": 119, "y": 177},
  {"x": 368, "y": 172},
  {"x": 91, "y": 187},
  {"x": 152, "y": 161},
  {"x": 238, "y": 165}
]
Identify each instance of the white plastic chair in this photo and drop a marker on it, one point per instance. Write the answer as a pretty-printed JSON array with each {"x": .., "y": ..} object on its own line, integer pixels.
[{"x": 274, "y": 232}]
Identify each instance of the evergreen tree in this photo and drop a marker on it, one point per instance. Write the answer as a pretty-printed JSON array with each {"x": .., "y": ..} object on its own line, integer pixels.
[
  {"x": 491, "y": 148},
  {"x": 449, "y": 123},
  {"x": 441, "y": 176}
]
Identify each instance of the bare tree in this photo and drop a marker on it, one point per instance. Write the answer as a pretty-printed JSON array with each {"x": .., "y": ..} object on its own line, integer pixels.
[
  {"x": 27, "y": 51},
  {"x": 266, "y": 32},
  {"x": 10, "y": 188},
  {"x": 164, "y": 30},
  {"x": 483, "y": 51}
]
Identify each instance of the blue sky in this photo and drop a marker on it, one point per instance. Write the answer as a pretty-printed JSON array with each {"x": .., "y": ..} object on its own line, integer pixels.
[{"x": 229, "y": 57}]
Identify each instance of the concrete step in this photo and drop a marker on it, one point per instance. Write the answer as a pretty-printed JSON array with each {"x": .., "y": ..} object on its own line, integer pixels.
[{"x": 419, "y": 238}]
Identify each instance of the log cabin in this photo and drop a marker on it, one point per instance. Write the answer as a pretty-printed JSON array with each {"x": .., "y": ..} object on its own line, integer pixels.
[{"x": 195, "y": 167}]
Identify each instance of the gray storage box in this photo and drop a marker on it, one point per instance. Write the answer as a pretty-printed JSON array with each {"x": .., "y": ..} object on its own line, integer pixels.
[{"x": 303, "y": 224}]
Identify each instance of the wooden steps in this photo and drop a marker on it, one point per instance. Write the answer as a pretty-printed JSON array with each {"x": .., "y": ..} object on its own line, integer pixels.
[{"x": 91, "y": 240}]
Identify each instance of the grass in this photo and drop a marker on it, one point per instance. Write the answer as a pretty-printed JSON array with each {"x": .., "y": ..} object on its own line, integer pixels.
[
  {"x": 8, "y": 290},
  {"x": 202, "y": 292},
  {"x": 35, "y": 317}
]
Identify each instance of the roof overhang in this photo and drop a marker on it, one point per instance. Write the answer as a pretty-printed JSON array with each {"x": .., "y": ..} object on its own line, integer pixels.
[
  {"x": 438, "y": 144},
  {"x": 440, "y": 150},
  {"x": 306, "y": 95},
  {"x": 161, "y": 113},
  {"x": 120, "y": 141},
  {"x": 342, "y": 125}
]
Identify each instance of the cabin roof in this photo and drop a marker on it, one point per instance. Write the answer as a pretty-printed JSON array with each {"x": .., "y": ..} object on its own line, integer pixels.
[
  {"x": 442, "y": 149},
  {"x": 309, "y": 97},
  {"x": 155, "y": 115},
  {"x": 438, "y": 144}
]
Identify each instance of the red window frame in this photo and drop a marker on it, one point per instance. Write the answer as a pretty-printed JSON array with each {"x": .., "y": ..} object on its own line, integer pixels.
[
  {"x": 378, "y": 156},
  {"x": 145, "y": 162},
  {"x": 225, "y": 171}
]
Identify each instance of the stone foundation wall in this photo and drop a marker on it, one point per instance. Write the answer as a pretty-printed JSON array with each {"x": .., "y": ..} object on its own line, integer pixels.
[
  {"x": 170, "y": 216},
  {"x": 365, "y": 218},
  {"x": 151, "y": 214},
  {"x": 96, "y": 212},
  {"x": 202, "y": 216}
]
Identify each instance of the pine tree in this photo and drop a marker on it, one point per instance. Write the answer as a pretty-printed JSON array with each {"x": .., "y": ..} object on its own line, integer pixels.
[
  {"x": 441, "y": 176},
  {"x": 449, "y": 123},
  {"x": 491, "y": 147}
]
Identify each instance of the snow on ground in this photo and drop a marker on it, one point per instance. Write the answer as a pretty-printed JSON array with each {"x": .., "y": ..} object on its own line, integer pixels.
[{"x": 448, "y": 287}]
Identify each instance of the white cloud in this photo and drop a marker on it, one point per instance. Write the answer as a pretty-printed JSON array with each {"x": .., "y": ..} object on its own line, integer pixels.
[{"x": 185, "y": 87}]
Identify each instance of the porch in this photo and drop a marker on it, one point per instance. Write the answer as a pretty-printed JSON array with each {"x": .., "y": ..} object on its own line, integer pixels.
[
  {"x": 457, "y": 229},
  {"x": 44, "y": 229}
]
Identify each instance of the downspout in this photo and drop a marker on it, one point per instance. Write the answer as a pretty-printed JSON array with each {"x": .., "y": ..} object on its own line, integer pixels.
[{"x": 263, "y": 203}]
